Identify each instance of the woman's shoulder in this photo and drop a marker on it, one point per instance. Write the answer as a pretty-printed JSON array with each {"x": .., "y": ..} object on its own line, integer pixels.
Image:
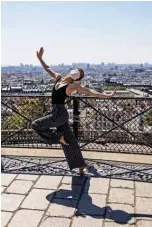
[
  {"x": 59, "y": 77},
  {"x": 72, "y": 87}
]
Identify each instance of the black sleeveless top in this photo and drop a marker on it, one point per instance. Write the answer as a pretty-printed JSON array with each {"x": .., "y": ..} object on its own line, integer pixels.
[{"x": 59, "y": 95}]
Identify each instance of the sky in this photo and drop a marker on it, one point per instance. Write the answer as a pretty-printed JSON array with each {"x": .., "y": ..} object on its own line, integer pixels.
[{"x": 91, "y": 32}]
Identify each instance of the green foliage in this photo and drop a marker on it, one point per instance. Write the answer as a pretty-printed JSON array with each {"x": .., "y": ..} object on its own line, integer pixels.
[
  {"x": 148, "y": 118},
  {"x": 120, "y": 88},
  {"x": 15, "y": 121},
  {"x": 31, "y": 109},
  {"x": 92, "y": 116}
]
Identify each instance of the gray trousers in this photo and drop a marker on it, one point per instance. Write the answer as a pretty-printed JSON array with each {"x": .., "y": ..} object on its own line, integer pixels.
[{"x": 52, "y": 127}]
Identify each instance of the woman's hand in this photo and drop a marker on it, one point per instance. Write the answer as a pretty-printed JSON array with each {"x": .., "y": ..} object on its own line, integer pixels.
[
  {"x": 40, "y": 53},
  {"x": 113, "y": 93}
]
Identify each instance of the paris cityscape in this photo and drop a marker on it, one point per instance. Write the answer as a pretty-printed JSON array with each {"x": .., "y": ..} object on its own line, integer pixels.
[
  {"x": 86, "y": 160},
  {"x": 130, "y": 80},
  {"x": 34, "y": 79}
]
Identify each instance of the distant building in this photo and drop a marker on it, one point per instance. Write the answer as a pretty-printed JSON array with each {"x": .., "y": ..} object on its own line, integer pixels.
[
  {"x": 32, "y": 91},
  {"x": 16, "y": 89},
  {"x": 108, "y": 82},
  {"x": 92, "y": 122},
  {"x": 70, "y": 112},
  {"x": 21, "y": 65}
]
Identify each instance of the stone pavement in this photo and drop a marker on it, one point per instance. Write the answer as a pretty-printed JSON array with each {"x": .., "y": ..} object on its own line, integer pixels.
[{"x": 73, "y": 201}]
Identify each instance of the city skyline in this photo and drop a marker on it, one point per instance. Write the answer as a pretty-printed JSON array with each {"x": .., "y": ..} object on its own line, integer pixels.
[{"x": 91, "y": 32}]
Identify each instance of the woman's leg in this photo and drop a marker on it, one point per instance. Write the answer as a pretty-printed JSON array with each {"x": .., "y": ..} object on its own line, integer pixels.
[
  {"x": 46, "y": 127},
  {"x": 72, "y": 152}
]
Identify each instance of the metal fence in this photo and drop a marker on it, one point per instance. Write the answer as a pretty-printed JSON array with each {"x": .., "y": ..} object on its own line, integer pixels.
[{"x": 109, "y": 125}]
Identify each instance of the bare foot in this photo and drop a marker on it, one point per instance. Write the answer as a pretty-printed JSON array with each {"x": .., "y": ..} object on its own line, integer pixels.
[
  {"x": 62, "y": 140},
  {"x": 82, "y": 170}
]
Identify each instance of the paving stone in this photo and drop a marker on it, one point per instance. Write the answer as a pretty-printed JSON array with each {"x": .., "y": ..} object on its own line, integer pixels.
[
  {"x": 88, "y": 221},
  {"x": 120, "y": 213},
  {"x": 93, "y": 204},
  {"x": 143, "y": 189},
  {"x": 62, "y": 207},
  {"x": 38, "y": 199},
  {"x": 58, "y": 222},
  {"x": 2, "y": 189},
  {"x": 5, "y": 217},
  {"x": 26, "y": 218},
  {"x": 122, "y": 183},
  {"x": 97, "y": 185},
  {"x": 27, "y": 177},
  {"x": 144, "y": 223},
  {"x": 118, "y": 195},
  {"x": 20, "y": 186},
  {"x": 74, "y": 180},
  {"x": 11, "y": 202},
  {"x": 144, "y": 208},
  {"x": 6, "y": 179},
  {"x": 68, "y": 191},
  {"x": 112, "y": 224},
  {"x": 48, "y": 182}
]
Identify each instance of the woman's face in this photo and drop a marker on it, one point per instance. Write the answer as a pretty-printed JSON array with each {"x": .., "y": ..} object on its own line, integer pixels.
[{"x": 75, "y": 74}]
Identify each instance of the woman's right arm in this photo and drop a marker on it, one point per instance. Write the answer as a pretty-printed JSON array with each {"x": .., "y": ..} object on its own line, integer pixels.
[
  {"x": 89, "y": 92},
  {"x": 45, "y": 66}
]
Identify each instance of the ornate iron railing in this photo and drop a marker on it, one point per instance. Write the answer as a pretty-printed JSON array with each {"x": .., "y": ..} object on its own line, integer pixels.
[{"x": 109, "y": 125}]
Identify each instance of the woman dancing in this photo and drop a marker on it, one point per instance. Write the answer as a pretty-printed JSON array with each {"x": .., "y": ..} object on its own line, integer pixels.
[{"x": 54, "y": 127}]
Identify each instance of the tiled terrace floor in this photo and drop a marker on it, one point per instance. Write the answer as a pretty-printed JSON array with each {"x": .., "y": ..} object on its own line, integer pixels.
[{"x": 44, "y": 199}]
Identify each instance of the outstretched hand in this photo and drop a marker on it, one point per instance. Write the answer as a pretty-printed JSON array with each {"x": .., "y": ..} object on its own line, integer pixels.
[
  {"x": 113, "y": 93},
  {"x": 40, "y": 53}
]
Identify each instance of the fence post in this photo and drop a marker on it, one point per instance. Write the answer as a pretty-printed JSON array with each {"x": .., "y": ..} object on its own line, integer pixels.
[
  {"x": 2, "y": 165},
  {"x": 75, "y": 116}
]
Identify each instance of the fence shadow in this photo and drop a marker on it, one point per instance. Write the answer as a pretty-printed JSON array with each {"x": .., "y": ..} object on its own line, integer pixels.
[{"x": 58, "y": 166}]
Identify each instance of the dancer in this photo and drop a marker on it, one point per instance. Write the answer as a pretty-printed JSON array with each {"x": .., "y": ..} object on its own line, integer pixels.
[{"x": 58, "y": 118}]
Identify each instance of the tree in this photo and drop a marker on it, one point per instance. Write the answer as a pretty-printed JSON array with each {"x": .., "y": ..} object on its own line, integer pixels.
[
  {"x": 31, "y": 108},
  {"x": 148, "y": 118}
]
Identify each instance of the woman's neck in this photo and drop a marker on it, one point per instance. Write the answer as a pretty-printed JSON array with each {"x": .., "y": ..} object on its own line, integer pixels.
[{"x": 67, "y": 80}]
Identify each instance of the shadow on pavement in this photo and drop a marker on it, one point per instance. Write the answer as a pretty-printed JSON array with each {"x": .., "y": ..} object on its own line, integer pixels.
[{"x": 85, "y": 207}]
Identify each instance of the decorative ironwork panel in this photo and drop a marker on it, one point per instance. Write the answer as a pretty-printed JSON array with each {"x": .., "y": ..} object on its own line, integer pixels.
[
  {"x": 118, "y": 124},
  {"x": 17, "y": 114},
  {"x": 109, "y": 125}
]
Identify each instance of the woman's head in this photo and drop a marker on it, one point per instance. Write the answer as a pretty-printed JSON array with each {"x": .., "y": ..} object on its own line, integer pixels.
[{"x": 76, "y": 74}]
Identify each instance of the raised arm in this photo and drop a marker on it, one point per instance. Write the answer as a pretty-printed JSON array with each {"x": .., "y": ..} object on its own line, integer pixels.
[
  {"x": 45, "y": 66},
  {"x": 89, "y": 92}
]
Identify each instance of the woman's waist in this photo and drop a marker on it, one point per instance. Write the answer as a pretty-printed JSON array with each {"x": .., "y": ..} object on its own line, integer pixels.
[{"x": 58, "y": 108}]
